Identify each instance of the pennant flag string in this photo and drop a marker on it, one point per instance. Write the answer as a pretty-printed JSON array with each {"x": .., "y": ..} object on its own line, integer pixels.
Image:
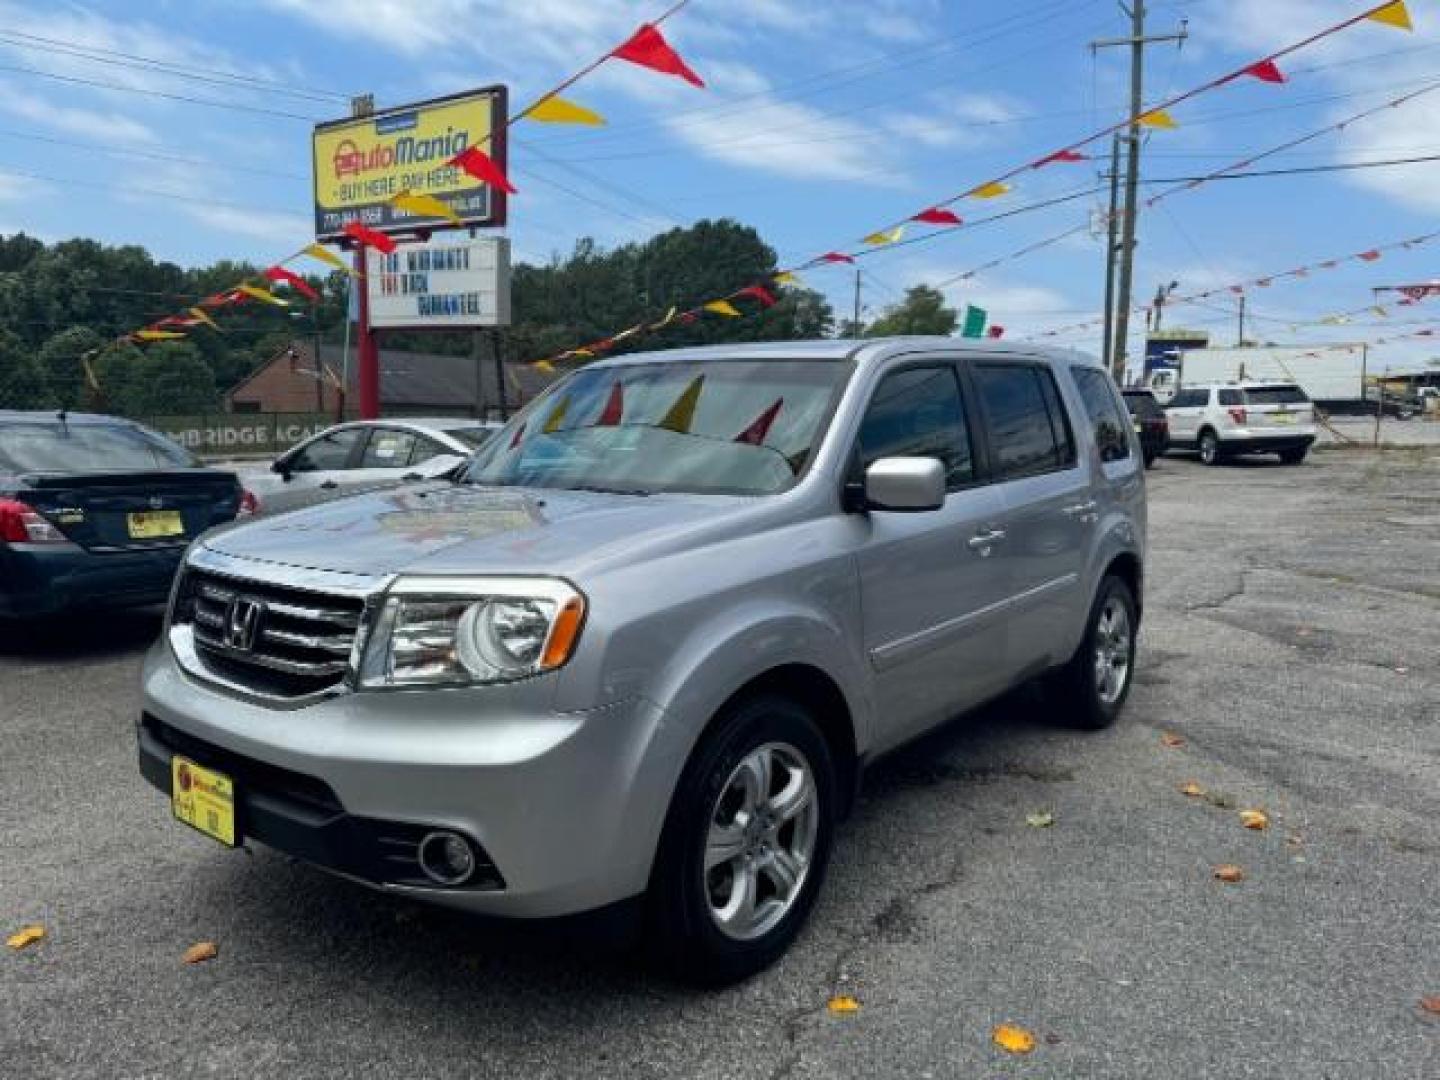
[
  {"x": 557, "y": 110},
  {"x": 294, "y": 280}
]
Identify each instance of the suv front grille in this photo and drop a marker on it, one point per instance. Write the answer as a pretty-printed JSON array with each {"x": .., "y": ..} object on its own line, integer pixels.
[{"x": 272, "y": 639}]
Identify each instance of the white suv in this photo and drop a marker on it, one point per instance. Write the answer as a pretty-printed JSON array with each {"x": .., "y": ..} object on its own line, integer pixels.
[{"x": 1224, "y": 419}]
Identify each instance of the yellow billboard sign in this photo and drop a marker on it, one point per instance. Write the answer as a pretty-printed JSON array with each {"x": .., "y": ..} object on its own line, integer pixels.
[{"x": 360, "y": 164}]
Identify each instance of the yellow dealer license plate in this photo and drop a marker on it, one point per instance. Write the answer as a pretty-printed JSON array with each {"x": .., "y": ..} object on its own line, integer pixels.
[
  {"x": 1283, "y": 417},
  {"x": 204, "y": 799},
  {"x": 152, "y": 524}
]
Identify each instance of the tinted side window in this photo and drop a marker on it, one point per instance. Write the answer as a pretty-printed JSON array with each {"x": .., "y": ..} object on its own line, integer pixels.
[
  {"x": 1023, "y": 430},
  {"x": 427, "y": 448},
  {"x": 1277, "y": 395},
  {"x": 1190, "y": 399},
  {"x": 1231, "y": 397},
  {"x": 917, "y": 413},
  {"x": 1112, "y": 434},
  {"x": 327, "y": 452}
]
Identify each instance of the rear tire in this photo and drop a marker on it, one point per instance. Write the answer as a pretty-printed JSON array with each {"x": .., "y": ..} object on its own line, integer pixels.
[
  {"x": 1210, "y": 448},
  {"x": 703, "y": 930},
  {"x": 1094, "y": 684},
  {"x": 1150, "y": 460},
  {"x": 1293, "y": 457}
]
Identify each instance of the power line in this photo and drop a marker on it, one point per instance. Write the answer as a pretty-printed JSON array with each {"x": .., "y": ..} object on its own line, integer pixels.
[
  {"x": 179, "y": 196},
  {"x": 232, "y": 106},
  {"x": 1298, "y": 170},
  {"x": 149, "y": 154},
  {"x": 62, "y": 47}
]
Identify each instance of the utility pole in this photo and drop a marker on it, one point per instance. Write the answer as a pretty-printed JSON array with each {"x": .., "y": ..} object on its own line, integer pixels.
[
  {"x": 1240, "y": 337},
  {"x": 856, "y": 321},
  {"x": 1112, "y": 223},
  {"x": 1137, "y": 42}
]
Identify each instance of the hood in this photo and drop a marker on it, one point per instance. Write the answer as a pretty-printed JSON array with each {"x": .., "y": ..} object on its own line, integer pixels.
[{"x": 454, "y": 528}]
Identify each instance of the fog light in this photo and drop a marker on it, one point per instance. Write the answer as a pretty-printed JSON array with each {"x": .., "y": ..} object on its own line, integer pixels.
[{"x": 446, "y": 858}]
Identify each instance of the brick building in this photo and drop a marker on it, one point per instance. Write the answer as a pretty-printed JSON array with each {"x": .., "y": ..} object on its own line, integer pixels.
[{"x": 415, "y": 384}]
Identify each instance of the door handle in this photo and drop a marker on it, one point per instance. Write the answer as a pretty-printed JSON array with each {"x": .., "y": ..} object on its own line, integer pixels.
[{"x": 983, "y": 542}]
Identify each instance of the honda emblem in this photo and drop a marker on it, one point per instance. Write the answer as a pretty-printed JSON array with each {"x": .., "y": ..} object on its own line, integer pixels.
[{"x": 242, "y": 623}]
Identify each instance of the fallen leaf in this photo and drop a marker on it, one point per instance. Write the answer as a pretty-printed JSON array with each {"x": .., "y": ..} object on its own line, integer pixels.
[
  {"x": 841, "y": 1004},
  {"x": 1431, "y": 1004},
  {"x": 200, "y": 952},
  {"x": 1015, "y": 1040},
  {"x": 1042, "y": 820},
  {"x": 1230, "y": 873},
  {"x": 1254, "y": 819},
  {"x": 1192, "y": 789},
  {"x": 1169, "y": 738},
  {"x": 28, "y": 936}
]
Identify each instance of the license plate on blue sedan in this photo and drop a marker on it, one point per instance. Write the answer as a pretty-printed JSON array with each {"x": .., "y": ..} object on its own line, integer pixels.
[{"x": 155, "y": 524}]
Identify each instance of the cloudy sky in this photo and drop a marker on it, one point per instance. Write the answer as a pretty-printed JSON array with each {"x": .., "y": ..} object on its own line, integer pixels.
[{"x": 184, "y": 125}]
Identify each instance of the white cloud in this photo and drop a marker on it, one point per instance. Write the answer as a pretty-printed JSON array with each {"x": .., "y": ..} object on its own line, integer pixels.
[
  {"x": 15, "y": 188},
  {"x": 101, "y": 126},
  {"x": 276, "y": 229}
]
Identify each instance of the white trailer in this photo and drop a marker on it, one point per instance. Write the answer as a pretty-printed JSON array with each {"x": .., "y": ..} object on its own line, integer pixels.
[{"x": 1334, "y": 376}]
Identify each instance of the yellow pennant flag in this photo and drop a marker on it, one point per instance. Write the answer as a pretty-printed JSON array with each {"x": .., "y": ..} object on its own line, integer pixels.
[
  {"x": 888, "y": 236},
  {"x": 263, "y": 295},
  {"x": 722, "y": 307},
  {"x": 1395, "y": 14},
  {"x": 785, "y": 277},
  {"x": 1158, "y": 118},
  {"x": 1380, "y": 311},
  {"x": 992, "y": 190},
  {"x": 557, "y": 417},
  {"x": 90, "y": 378},
  {"x": 682, "y": 413},
  {"x": 545, "y": 366},
  {"x": 200, "y": 314},
  {"x": 556, "y": 110},
  {"x": 424, "y": 205},
  {"x": 315, "y": 251},
  {"x": 157, "y": 335},
  {"x": 667, "y": 320}
]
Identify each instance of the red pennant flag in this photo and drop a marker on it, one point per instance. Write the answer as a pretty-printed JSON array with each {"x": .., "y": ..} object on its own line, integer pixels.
[
  {"x": 996, "y": 331},
  {"x": 515, "y": 439},
  {"x": 688, "y": 317},
  {"x": 369, "y": 237},
  {"x": 1265, "y": 71},
  {"x": 1238, "y": 290},
  {"x": 294, "y": 280},
  {"x": 1369, "y": 256},
  {"x": 760, "y": 293},
  {"x": 614, "y": 408},
  {"x": 760, "y": 427},
  {"x": 1061, "y": 156},
  {"x": 478, "y": 164},
  {"x": 648, "y": 48},
  {"x": 836, "y": 257},
  {"x": 938, "y": 215}
]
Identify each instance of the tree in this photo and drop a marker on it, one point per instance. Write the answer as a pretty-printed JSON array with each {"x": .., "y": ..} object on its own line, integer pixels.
[
  {"x": 162, "y": 380},
  {"x": 923, "y": 311},
  {"x": 21, "y": 384},
  {"x": 61, "y": 365}
]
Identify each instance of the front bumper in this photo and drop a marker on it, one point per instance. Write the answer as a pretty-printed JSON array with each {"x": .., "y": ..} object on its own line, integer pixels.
[
  {"x": 566, "y": 808},
  {"x": 41, "y": 579}
]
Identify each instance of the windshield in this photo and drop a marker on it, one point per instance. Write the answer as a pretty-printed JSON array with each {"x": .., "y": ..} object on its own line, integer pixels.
[
  {"x": 738, "y": 427},
  {"x": 56, "y": 446},
  {"x": 473, "y": 437}
]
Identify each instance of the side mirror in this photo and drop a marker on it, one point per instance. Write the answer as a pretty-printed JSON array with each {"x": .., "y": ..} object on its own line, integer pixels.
[
  {"x": 281, "y": 468},
  {"x": 905, "y": 484}
]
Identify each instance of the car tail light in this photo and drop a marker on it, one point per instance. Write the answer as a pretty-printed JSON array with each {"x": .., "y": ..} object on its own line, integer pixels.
[
  {"x": 1237, "y": 415},
  {"x": 249, "y": 504},
  {"x": 21, "y": 524}
]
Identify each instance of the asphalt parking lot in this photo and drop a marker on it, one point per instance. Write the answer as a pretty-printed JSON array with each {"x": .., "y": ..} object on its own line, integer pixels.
[{"x": 1292, "y": 641}]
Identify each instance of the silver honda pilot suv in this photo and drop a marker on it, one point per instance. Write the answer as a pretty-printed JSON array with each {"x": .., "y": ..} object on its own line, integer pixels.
[{"x": 635, "y": 655}]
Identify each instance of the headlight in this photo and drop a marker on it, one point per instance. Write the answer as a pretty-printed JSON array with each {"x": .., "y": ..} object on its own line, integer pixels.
[{"x": 460, "y": 631}]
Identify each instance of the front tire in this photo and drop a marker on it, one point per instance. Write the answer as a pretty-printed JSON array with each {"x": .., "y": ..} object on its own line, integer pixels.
[
  {"x": 1209, "y": 448},
  {"x": 1096, "y": 681},
  {"x": 746, "y": 843}
]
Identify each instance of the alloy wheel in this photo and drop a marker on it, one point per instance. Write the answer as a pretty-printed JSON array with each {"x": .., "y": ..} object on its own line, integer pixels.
[
  {"x": 1112, "y": 651},
  {"x": 760, "y": 841}
]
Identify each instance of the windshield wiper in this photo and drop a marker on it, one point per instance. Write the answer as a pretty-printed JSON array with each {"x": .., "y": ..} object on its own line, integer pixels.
[{"x": 638, "y": 492}]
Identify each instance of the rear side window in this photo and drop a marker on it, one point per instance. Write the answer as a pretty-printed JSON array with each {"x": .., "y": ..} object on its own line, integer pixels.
[
  {"x": 1112, "y": 432},
  {"x": 1231, "y": 397},
  {"x": 1190, "y": 399},
  {"x": 1276, "y": 395},
  {"x": 1029, "y": 431},
  {"x": 388, "y": 448},
  {"x": 427, "y": 448},
  {"x": 917, "y": 413}
]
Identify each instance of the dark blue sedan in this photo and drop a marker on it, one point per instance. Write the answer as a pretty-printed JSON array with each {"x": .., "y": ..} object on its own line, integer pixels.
[{"x": 96, "y": 511}]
